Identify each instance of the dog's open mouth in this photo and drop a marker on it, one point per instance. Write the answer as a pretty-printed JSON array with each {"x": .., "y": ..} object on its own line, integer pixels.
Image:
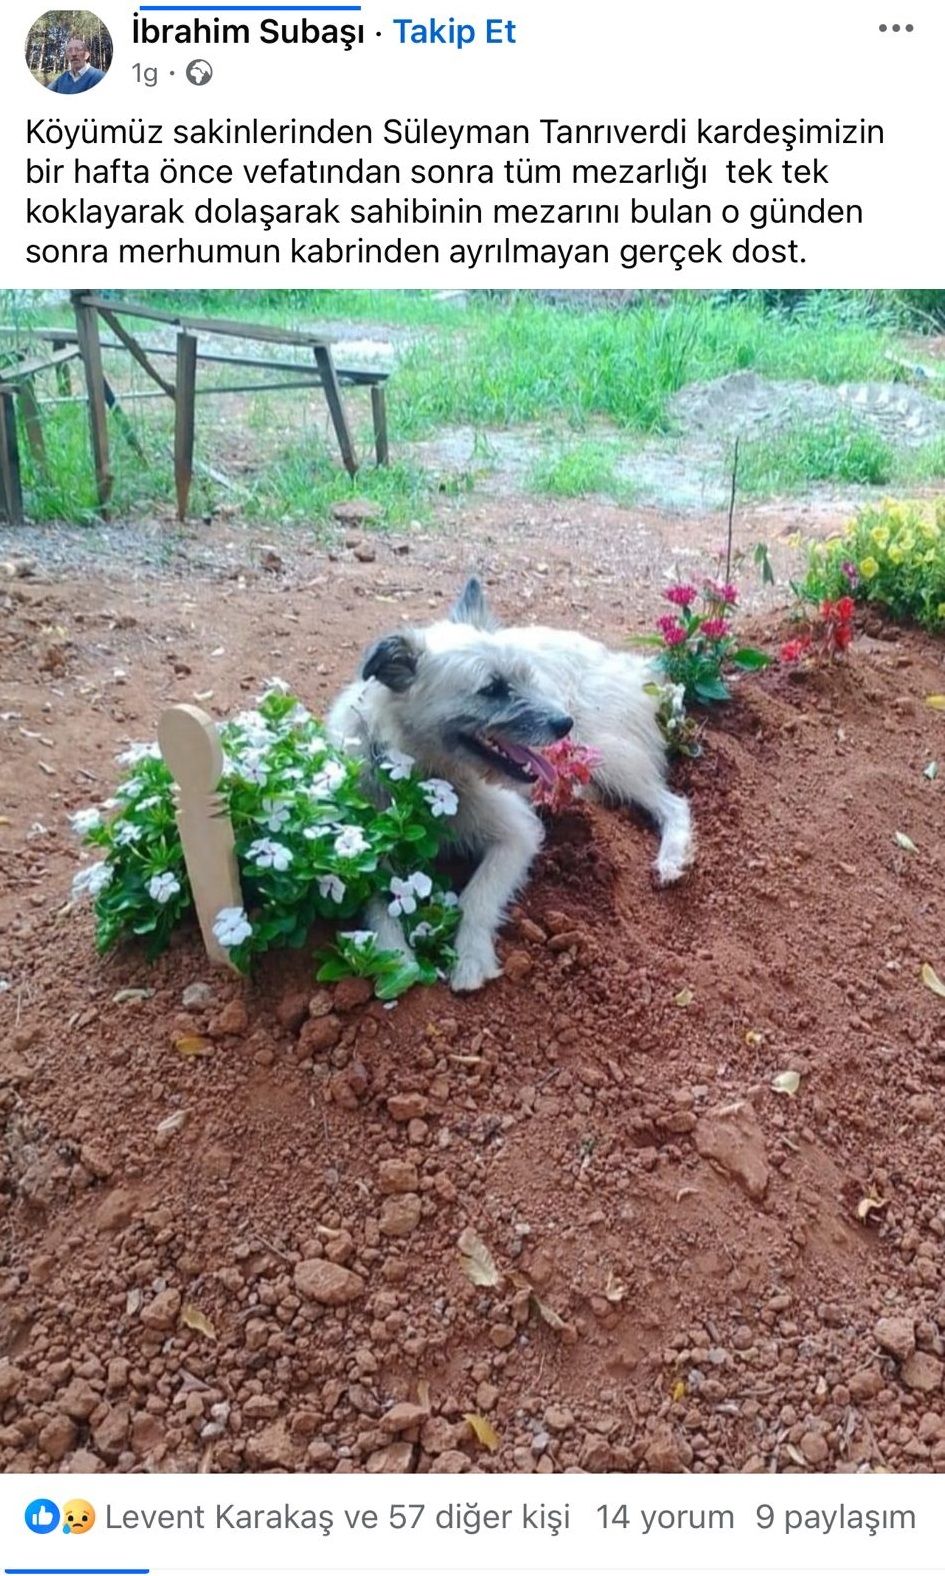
[{"x": 514, "y": 760}]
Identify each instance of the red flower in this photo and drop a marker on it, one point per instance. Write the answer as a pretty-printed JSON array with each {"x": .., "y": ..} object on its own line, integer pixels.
[
  {"x": 845, "y": 608},
  {"x": 795, "y": 650},
  {"x": 726, "y": 594},
  {"x": 715, "y": 628},
  {"x": 681, "y": 595},
  {"x": 671, "y": 630}
]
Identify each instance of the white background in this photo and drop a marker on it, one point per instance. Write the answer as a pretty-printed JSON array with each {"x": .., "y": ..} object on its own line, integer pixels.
[{"x": 585, "y": 60}]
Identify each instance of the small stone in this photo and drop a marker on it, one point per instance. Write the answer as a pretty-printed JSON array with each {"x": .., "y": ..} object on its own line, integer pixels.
[
  {"x": 355, "y": 511},
  {"x": 292, "y": 1010},
  {"x": 397, "y": 1176},
  {"x": 734, "y": 1140},
  {"x": 501, "y": 1335},
  {"x": 865, "y": 1384},
  {"x": 232, "y": 1019},
  {"x": 400, "y": 1215},
  {"x": 923, "y": 1107},
  {"x": 320, "y": 1034},
  {"x": 517, "y": 967},
  {"x": 405, "y": 1107},
  {"x": 340, "y": 1248},
  {"x": 814, "y": 1449},
  {"x": 162, "y": 1311},
  {"x": 79, "y": 1400},
  {"x": 271, "y": 1447},
  {"x": 403, "y": 1416},
  {"x": 10, "y": 1380},
  {"x": 199, "y": 994},
  {"x": 352, "y": 993},
  {"x": 318, "y": 1280},
  {"x": 365, "y": 553},
  {"x": 923, "y": 1372},
  {"x": 58, "y": 1437},
  {"x": 896, "y": 1336},
  {"x": 450, "y": 1461},
  {"x": 665, "y": 1453},
  {"x": 116, "y": 1210},
  {"x": 558, "y": 1418},
  {"x": 111, "y": 1433},
  {"x": 438, "y": 1435},
  {"x": 397, "y": 1457},
  {"x": 270, "y": 560}
]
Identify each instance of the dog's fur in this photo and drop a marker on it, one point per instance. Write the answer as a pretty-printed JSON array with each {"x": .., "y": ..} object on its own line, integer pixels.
[{"x": 439, "y": 694}]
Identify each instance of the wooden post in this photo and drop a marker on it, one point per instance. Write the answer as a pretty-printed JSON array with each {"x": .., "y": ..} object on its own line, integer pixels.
[
  {"x": 192, "y": 753},
  {"x": 379, "y": 411},
  {"x": 63, "y": 374},
  {"x": 333, "y": 395},
  {"x": 184, "y": 410},
  {"x": 86, "y": 322},
  {"x": 11, "y": 491},
  {"x": 31, "y": 421}
]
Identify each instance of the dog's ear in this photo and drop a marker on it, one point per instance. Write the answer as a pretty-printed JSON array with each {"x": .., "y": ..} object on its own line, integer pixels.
[
  {"x": 472, "y": 608},
  {"x": 393, "y": 662}
]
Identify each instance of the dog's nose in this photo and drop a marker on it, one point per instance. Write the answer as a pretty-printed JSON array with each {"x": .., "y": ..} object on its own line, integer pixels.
[{"x": 562, "y": 726}]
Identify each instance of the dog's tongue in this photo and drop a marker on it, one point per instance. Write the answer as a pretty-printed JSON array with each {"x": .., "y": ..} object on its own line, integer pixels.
[{"x": 523, "y": 756}]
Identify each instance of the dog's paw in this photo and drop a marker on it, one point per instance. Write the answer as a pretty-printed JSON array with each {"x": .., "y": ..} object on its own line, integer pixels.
[
  {"x": 666, "y": 872},
  {"x": 475, "y": 966}
]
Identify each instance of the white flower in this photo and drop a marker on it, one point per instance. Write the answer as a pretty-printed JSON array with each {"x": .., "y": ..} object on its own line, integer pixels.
[
  {"x": 314, "y": 746},
  {"x": 332, "y": 887},
  {"x": 440, "y": 796},
  {"x": 449, "y": 900},
  {"x": 139, "y": 752},
  {"x": 131, "y": 788},
  {"x": 350, "y": 842},
  {"x": 275, "y": 814},
  {"x": 275, "y": 686},
  {"x": 293, "y": 774},
  {"x": 163, "y": 887},
  {"x": 231, "y": 927},
  {"x": 398, "y": 765},
  {"x": 92, "y": 879},
  {"x": 128, "y": 833},
  {"x": 311, "y": 832},
  {"x": 298, "y": 716},
  {"x": 254, "y": 728},
  {"x": 109, "y": 804},
  {"x": 358, "y": 938},
  {"x": 83, "y": 821},
  {"x": 267, "y": 855},
  {"x": 327, "y": 781},
  {"x": 407, "y": 892},
  {"x": 148, "y": 804},
  {"x": 253, "y": 768},
  {"x": 419, "y": 931}
]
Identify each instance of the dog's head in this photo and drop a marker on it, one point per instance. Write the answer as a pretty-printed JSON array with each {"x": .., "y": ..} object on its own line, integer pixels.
[{"x": 461, "y": 694}]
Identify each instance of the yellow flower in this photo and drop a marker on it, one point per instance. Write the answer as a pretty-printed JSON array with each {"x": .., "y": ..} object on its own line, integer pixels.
[
  {"x": 907, "y": 541},
  {"x": 869, "y": 568},
  {"x": 896, "y": 554},
  {"x": 880, "y": 535}
]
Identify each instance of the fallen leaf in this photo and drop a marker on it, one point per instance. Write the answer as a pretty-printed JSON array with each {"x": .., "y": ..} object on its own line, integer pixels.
[
  {"x": 931, "y": 980},
  {"x": 172, "y": 1123},
  {"x": 684, "y": 998},
  {"x": 548, "y": 1315},
  {"x": 931, "y": 771},
  {"x": 906, "y": 842},
  {"x": 754, "y": 1037},
  {"x": 192, "y": 1045},
  {"x": 684, "y": 1192},
  {"x": 937, "y": 702},
  {"x": 795, "y": 1455},
  {"x": 44, "y": 767},
  {"x": 615, "y": 1290},
  {"x": 423, "y": 1393},
  {"x": 191, "y": 1316},
  {"x": 5, "y": 820},
  {"x": 133, "y": 1300},
  {"x": 483, "y": 1430},
  {"x": 786, "y": 1083},
  {"x": 478, "y": 1263},
  {"x": 869, "y": 1206},
  {"x": 137, "y": 994},
  {"x": 678, "y": 1390},
  {"x": 203, "y": 694}
]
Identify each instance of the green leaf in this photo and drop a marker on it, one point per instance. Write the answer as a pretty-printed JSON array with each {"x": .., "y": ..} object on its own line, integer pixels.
[
  {"x": 711, "y": 689},
  {"x": 647, "y": 640},
  {"x": 395, "y": 984},
  {"x": 748, "y": 657}
]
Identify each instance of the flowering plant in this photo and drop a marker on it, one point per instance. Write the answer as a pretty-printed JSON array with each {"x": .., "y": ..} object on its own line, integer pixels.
[
  {"x": 828, "y": 632},
  {"x": 892, "y": 554},
  {"x": 571, "y": 766},
  {"x": 695, "y": 642},
  {"x": 681, "y": 731},
  {"x": 310, "y": 845}
]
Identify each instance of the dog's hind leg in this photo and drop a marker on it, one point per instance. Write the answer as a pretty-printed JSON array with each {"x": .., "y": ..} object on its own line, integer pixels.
[
  {"x": 512, "y": 835},
  {"x": 629, "y": 775}
]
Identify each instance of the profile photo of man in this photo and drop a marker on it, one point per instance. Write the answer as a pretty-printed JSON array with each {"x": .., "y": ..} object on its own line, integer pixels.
[{"x": 80, "y": 74}]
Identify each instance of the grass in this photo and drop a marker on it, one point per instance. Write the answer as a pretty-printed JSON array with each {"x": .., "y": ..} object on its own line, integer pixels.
[
  {"x": 840, "y": 450},
  {"x": 580, "y": 470},
  {"x": 498, "y": 362}
]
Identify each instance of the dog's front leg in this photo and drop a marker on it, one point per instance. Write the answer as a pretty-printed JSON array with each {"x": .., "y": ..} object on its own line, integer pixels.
[
  {"x": 388, "y": 930},
  {"x": 512, "y": 842}
]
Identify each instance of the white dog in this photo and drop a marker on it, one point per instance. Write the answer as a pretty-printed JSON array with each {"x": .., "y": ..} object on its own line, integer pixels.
[{"x": 469, "y": 702}]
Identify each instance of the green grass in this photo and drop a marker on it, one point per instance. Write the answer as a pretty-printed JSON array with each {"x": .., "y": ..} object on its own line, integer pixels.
[
  {"x": 840, "y": 450},
  {"x": 580, "y": 470}
]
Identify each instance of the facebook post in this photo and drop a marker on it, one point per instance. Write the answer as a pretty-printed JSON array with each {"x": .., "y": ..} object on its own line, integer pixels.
[{"x": 472, "y": 573}]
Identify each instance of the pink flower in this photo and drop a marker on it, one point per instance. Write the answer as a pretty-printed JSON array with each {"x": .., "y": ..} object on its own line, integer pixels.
[
  {"x": 715, "y": 628},
  {"x": 671, "y": 630},
  {"x": 795, "y": 650},
  {"x": 727, "y": 594},
  {"x": 681, "y": 595}
]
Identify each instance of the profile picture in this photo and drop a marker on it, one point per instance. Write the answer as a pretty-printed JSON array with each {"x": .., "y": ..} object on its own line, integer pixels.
[{"x": 69, "y": 51}]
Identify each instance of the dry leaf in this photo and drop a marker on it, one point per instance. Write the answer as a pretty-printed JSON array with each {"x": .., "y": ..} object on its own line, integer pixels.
[
  {"x": 931, "y": 980},
  {"x": 483, "y": 1430},
  {"x": 135, "y": 994},
  {"x": 478, "y": 1263},
  {"x": 615, "y": 1290},
  {"x": 937, "y": 702},
  {"x": 133, "y": 1300},
  {"x": 192, "y": 1045},
  {"x": 753, "y": 1037},
  {"x": 172, "y": 1123},
  {"x": 684, "y": 998},
  {"x": 906, "y": 842},
  {"x": 678, "y": 1390},
  {"x": 547, "y": 1313},
  {"x": 191, "y": 1316},
  {"x": 869, "y": 1206},
  {"x": 931, "y": 771},
  {"x": 423, "y": 1393},
  {"x": 786, "y": 1083}
]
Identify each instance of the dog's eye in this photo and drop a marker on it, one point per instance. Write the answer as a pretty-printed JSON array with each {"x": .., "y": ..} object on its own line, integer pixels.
[{"x": 496, "y": 689}]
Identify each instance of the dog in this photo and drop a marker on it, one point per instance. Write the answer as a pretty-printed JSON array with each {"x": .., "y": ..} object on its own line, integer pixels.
[{"x": 473, "y": 703}]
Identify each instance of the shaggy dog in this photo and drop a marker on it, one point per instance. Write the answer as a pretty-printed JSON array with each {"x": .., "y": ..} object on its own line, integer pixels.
[{"x": 473, "y": 703}]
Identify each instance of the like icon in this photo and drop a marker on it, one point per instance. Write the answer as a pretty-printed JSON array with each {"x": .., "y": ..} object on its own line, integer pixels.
[{"x": 41, "y": 1515}]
